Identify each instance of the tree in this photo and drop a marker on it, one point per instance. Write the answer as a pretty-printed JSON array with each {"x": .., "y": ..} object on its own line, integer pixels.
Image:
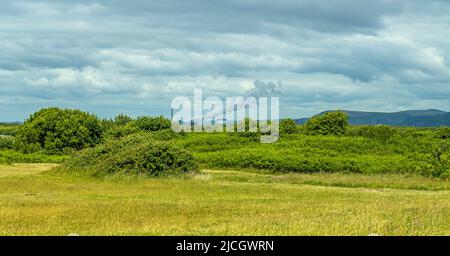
[
  {"x": 56, "y": 130},
  {"x": 288, "y": 126},
  {"x": 329, "y": 123}
]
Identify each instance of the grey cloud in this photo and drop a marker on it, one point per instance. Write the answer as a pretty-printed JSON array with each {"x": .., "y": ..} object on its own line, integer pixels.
[
  {"x": 139, "y": 54},
  {"x": 265, "y": 89}
]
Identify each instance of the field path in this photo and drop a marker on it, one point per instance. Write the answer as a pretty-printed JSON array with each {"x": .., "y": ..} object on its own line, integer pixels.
[{"x": 24, "y": 169}]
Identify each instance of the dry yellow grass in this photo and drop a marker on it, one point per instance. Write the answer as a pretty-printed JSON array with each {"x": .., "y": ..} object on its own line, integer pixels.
[
  {"x": 215, "y": 203},
  {"x": 24, "y": 169}
]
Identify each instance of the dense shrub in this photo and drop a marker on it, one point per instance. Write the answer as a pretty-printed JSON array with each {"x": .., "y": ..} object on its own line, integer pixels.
[
  {"x": 6, "y": 142},
  {"x": 247, "y": 123},
  {"x": 58, "y": 130},
  {"x": 119, "y": 131},
  {"x": 288, "y": 126},
  {"x": 441, "y": 159},
  {"x": 122, "y": 119},
  {"x": 443, "y": 133},
  {"x": 379, "y": 132},
  {"x": 329, "y": 123},
  {"x": 167, "y": 134},
  {"x": 137, "y": 154},
  {"x": 152, "y": 124}
]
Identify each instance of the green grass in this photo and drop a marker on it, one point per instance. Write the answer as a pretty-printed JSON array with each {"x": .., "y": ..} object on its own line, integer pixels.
[
  {"x": 8, "y": 156},
  {"x": 221, "y": 202},
  {"x": 9, "y": 128}
]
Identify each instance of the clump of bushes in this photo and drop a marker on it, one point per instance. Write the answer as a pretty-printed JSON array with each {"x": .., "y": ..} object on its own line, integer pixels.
[
  {"x": 440, "y": 159},
  {"x": 152, "y": 124},
  {"x": 56, "y": 130},
  {"x": 138, "y": 154},
  {"x": 378, "y": 132},
  {"x": 248, "y": 123},
  {"x": 288, "y": 126},
  {"x": 443, "y": 133},
  {"x": 123, "y": 125},
  {"x": 330, "y": 123},
  {"x": 6, "y": 142}
]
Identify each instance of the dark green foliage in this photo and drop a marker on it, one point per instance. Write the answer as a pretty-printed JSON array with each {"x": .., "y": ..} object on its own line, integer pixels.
[
  {"x": 58, "y": 130},
  {"x": 443, "y": 133},
  {"x": 118, "y": 131},
  {"x": 165, "y": 135},
  {"x": 122, "y": 119},
  {"x": 246, "y": 123},
  {"x": 330, "y": 123},
  {"x": 138, "y": 154},
  {"x": 288, "y": 126},
  {"x": 152, "y": 124},
  {"x": 378, "y": 132},
  {"x": 441, "y": 159},
  {"x": 123, "y": 125},
  {"x": 6, "y": 142}
]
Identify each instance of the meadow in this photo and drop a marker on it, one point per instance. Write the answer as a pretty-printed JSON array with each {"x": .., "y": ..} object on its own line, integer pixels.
[
  {"x": 65, "y": 171},
  {"x": 34, "y": 200}
]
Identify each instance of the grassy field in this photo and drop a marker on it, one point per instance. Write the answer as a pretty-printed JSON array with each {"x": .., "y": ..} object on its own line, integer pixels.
[
  {"x": 9, "y": 128},
  {"x": 36, "y": 201}
]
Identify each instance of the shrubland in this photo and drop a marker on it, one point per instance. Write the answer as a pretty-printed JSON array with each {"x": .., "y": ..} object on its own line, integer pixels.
[
  {"x": 147, "y": 145},
  {"x": 6, "y": 142},
  {"x": 138, "y": 154}
]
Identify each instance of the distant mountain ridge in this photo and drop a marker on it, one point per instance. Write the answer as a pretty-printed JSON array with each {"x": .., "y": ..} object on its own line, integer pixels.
[{"x": 418, "y": 118}]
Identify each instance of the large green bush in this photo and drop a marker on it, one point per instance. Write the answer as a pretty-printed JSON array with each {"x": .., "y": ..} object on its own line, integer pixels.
[
  {"x": 58, "y": 130},
  {"x": 443, "y": 133},
  {"x": 122, "y": 119},
  {"x": 152, "y": 124},
  {"x": 6, "y": 142},
  {"x": 288, "y": 126},
  {"x": 123, "y": 125},
  {"x": 335, "y": 123},
  {"x": 139, "y": 154}
]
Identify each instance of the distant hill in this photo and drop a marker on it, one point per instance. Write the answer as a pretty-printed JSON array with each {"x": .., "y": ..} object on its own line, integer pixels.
[
  {"x": 419, "y": 118},
  {"x": 10, "y": 123}
]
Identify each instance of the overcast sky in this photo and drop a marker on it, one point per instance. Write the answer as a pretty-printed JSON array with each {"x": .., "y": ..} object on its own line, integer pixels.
[{"x": 133, "y": 57}]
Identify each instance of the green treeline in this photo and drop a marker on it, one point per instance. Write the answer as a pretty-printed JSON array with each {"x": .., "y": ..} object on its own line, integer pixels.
[{"x": 147, "y": 145}]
